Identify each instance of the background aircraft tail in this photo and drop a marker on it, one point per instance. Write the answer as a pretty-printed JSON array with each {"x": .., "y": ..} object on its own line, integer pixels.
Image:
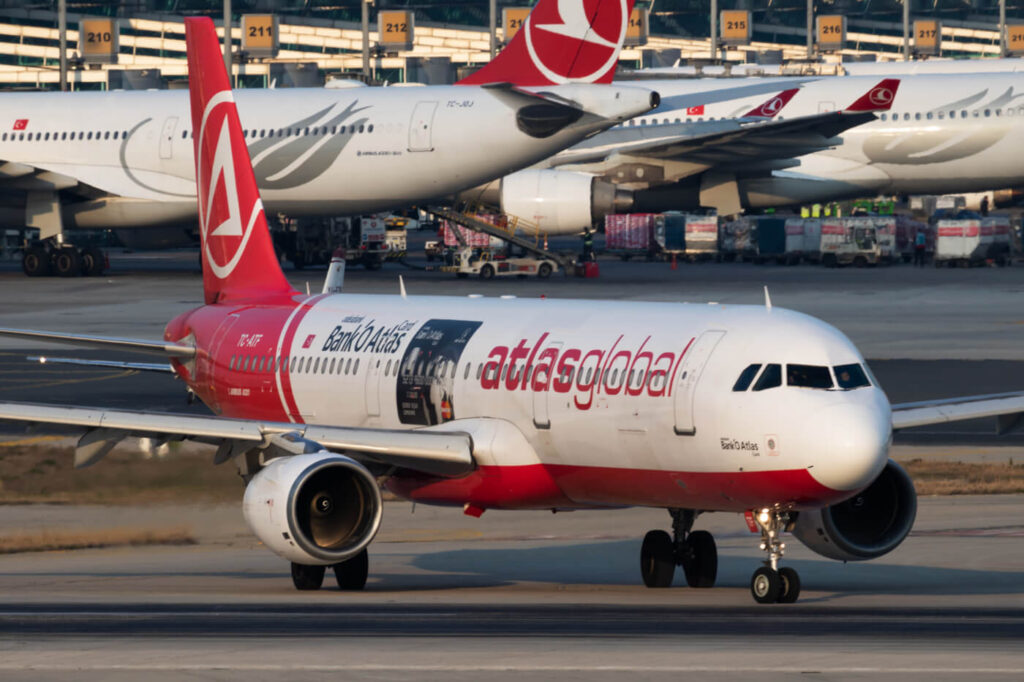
[
  {"x": 237, "y": 250},
  {"x": 562, "y": 41},
  {"x": 878, "y": 98}
]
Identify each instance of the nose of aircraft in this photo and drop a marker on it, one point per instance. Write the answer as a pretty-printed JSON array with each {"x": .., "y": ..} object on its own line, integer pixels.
[{"x": 853, "y": 444}]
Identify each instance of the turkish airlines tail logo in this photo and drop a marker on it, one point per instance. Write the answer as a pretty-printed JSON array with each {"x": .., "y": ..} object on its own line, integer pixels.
[
  {"x": 238, "y": 255},
  {"x": 878, "y": 98},
  {"x": 562, "y": 41},
  {"x": 772, "y": 107}
]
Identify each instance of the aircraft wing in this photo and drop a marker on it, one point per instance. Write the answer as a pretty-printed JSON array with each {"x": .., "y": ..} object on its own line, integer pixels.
[
  {"x": 447, "y": 453},
  {"x": 136, "y": 345},
  {"x": 1007, "y": 407},
  {"x": 734, "y": 143}
]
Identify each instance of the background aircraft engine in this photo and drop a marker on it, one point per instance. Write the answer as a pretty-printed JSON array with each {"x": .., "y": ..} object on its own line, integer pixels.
[
  {"x": 866, "y": 526},
  {"x": 316, "y": 509},
  {"x": 561, "y": 202}
]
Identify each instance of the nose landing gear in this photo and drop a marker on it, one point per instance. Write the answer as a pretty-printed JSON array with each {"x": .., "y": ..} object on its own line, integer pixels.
[
  {"x": 695, "y": 551},
  {"x": 770, "y": 584}
]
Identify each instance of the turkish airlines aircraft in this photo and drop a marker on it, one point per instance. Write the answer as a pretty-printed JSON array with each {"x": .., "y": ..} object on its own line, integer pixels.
[
  {"x": 508, "y": 404},
  {"x": 124, "y": 159},
  {"x": 703, "y": 135},
  {"x": 935, "y": 134}
]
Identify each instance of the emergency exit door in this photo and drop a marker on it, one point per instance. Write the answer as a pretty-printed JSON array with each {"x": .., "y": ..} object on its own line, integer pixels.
[
  {"x": 689, "y": 375},
  {"x": 420, "y": 127}
]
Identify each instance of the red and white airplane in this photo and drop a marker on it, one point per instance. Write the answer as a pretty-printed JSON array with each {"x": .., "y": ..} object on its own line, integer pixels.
[{"x": 509, "y": 403}]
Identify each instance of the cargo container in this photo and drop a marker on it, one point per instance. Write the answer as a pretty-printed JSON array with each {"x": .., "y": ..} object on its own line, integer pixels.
[
  {"x": 803, "y": 240},
  {"x": 735, "y": 237},
  {"x": 998, "y": 227},
  {"x": 701, "y": 236},
  {"x": 959, "y": 239},
  {"x": 631, "y": 235},
  {"x": 451, "y": 233}
]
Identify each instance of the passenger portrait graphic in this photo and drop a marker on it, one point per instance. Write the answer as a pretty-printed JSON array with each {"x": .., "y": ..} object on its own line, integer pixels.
[{"x": 426, "y": 378}]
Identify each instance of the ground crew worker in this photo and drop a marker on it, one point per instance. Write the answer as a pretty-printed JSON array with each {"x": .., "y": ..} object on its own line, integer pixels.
[
  {"x": 919, "y": 243},
  {"x": 588, "y": 245}
]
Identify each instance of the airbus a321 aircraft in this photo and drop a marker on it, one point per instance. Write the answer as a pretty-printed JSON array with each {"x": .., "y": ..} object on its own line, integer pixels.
[
  {"x": 124, "y": 159},
  {"x": 508, "y": 404}
]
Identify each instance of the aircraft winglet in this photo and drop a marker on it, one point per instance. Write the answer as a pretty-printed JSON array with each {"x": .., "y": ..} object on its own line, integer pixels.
[{"x": 773, "y": 106}]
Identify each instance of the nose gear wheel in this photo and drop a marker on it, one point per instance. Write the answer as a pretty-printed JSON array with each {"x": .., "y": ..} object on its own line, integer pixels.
[{"x": 771, "y": 584}]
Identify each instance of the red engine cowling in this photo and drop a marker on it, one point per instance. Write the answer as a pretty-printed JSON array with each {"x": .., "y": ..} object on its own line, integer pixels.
[{"x": 868, "y": 525}]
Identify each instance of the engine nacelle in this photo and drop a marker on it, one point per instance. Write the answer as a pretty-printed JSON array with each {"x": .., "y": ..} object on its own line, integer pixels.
[
  {"x": 561, "y": 202},
  {"x": 866, "y": 526},
  {"x": 317, "y": 509}
]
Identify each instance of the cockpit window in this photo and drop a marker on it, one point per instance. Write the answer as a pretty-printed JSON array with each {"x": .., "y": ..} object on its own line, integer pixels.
[
  {"x": 851, "y": 376},
  {"x": 746, "y": 376},
  {"x": 770, "y": 378},
  {"x": 808, "y": 376}
]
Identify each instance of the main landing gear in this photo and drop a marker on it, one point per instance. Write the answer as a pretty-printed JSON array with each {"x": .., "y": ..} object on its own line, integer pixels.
[
  {"x": 694, "y": 550},
  {"x": 351, "y": 574},
  {"x": 45, "y": 257},
  {"x": 771, "y": 584}
]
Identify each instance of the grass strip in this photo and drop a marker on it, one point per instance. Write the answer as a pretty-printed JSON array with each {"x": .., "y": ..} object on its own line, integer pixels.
[{"x": 49, "y": 540}]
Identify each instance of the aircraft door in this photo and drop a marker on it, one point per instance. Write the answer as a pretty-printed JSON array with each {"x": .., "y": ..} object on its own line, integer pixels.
[
  {"x": 689, "y": 375},
  {"x": 373, "y": 375},
  {"x": 541, "y": 415},
  {"x": 420, "y": 127},
  {"x": 167, "y": 137}
]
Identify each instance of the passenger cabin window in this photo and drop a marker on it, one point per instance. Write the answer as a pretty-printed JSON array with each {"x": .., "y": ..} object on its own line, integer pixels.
[
  {"x": 770, "y": 378},
  {"x": 809, "y": 376},
  {"x": 851, "y": 376},
  {"x": 746, "y": 376}
]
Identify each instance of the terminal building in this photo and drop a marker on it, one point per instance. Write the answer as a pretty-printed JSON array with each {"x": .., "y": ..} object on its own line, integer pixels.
[{"x": 133, "y": 44}]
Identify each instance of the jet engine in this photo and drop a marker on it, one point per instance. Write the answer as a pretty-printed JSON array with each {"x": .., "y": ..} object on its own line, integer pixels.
[
  {"x": 315, "y": 509},
  {"x": 561, "y": 202},
  {"x": 871, "y": 523}
]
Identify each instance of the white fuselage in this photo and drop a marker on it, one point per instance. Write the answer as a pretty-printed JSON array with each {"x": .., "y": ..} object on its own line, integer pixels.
[
  {"x": 315, "y": 151},
  {"x": 944, "y": 133},
  {"x": 661, "y": 426}
]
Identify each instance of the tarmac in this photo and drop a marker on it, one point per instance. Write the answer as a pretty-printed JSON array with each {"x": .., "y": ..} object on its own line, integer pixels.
[{"x": 531, "y": 595}]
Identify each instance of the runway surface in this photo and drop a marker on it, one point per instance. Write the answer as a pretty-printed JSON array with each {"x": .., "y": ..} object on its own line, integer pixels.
[
  {"x": 527, "y": 595},
  {"x": 519, "y": 595}
]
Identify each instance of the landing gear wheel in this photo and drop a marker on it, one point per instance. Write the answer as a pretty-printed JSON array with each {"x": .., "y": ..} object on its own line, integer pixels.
[
  {"x": 765, "y": 585},
  {"x": 351, "y": 575},
  {"x": 790, "y": 585},
  {"x": 307, "y": 577},
  {"x": 701, "y": 562},
  {"x": 657, "y": 559},
  {"x": 67, "y": 263},
  {"x": 487, "y": 272},
  {"x": 35, "y": 262},
  {"x": 93, "y": 262},
  {"x": 544, "y": 271}
]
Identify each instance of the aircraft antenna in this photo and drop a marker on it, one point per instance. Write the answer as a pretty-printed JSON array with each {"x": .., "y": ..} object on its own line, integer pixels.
[
  {"x": 401, "y": 286},
  {"x": 767, "y": 298}
]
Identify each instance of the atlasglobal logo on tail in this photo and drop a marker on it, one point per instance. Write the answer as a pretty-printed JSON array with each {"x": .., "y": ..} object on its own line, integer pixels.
[
  {"x": 226, "y": 229},
  {"x": 550, "y": 32},
  {"x": 622, "y": 368}
]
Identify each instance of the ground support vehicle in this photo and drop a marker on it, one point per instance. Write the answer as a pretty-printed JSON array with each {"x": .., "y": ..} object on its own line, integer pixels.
[
  {"x": 395, "y": 239},
  {"x": 488, "y": 263},
  {"x": 849, "y": 241}
]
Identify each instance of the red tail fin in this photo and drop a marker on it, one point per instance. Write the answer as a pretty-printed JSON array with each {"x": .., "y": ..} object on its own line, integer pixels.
[
  {"x": 878, "y": 98},
  {"x": 238, "y": 254},
  {"x": 772, "y": 107},
  {"x": 562, "y": 41}
]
